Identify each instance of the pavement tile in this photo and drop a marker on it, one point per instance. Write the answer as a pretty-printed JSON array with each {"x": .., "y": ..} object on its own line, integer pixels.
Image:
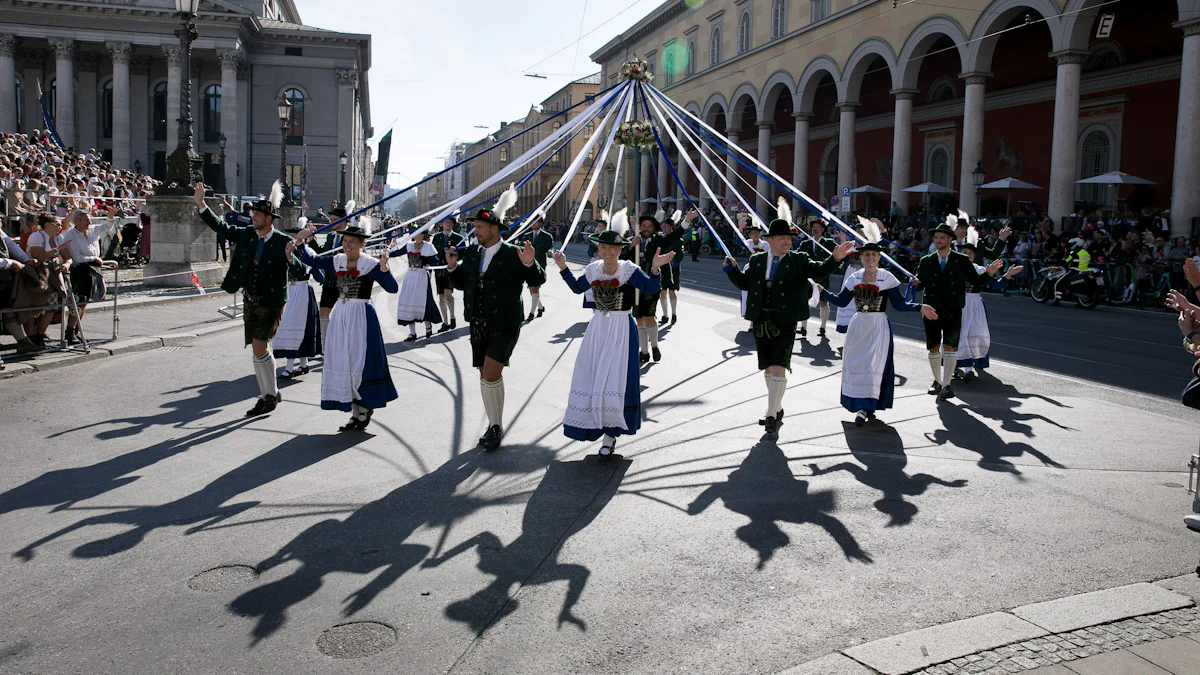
[
  {"x": 1118, "y": 663},
  {"x": 129, "y": 345},
  {"x": 1176, "y": 655},
  {"x": 1088, "y": 609},
  {"x": 918, "y": 649},
  {"x": 15, "y": 369},
  {"x": 172, "y": 339},
  {"x": 833, "y": 664},
  {"x": 1053, "y": 670}
]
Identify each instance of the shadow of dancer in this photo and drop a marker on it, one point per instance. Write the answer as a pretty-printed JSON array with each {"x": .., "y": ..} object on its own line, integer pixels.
[
  {"x": 764, "y": 490},
  {"x": 373, "y": 537},
  {"x": 745, "y": 345},
  {"x": 881, "y": 452},
  {"x": 999, "y": 401},
  {"x": 567, "y": 500},
  {"x": 205, "y": 507},
  {"x": 573, "y": 332},
  {"x": 970, "y": 433},
  {"x": 822, "y": 353}
]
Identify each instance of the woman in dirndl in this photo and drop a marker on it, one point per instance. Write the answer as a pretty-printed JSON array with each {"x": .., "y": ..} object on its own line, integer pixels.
[
  {"x": 355, "y": 377},
  {"x": 868, "y": 372},
  {"x": 298, "y": 337},
  {"x": 605, "y": 399},
  {"x": 975, "y": 340},
  {"x": 416, "y": 301}
]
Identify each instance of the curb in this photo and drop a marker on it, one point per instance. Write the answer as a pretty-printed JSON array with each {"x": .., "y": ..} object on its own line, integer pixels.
[
  {"x": 123, "y": 346},
  {"x": 1057, "y": 620}
]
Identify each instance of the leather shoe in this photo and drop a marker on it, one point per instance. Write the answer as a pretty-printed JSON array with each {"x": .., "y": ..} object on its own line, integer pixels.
[
  {"x": 445, "y": 328},
  {"x": 262, "y": 406},
  {"x": 771, "y": 424},
  {"x": 674, "y": 318},
  {"x": 541, "y": 311},
  {"x": 947, "y": 393},
  {"x": 656, "y": 354},
  {"x": 643, "y": 358},
  {"x": 353, "y": 425},
  {"x": 27, "y": 346},
  {"x": 934, "y": 389},
  {"x": 491, "y": 438},
  {"x": 664, "y": 321},
  {"x": 530, "y": 317}
]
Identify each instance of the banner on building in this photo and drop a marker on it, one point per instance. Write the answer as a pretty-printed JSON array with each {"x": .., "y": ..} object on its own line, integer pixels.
[{"x": 381, "y": 162}]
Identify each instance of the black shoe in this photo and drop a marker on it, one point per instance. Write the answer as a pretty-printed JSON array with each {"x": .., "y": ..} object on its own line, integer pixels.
[
  {"x": 771, "y": 424},
  {"x": 947, "y": 393},
  {"x": 969, "y": 375},
  {"x": 803, "y": 332},
  {"x": 428, "y": 333},
  {"x": 529, "y": 318},
  {"x": 286, "y": 374},
  {"x": 541, "y": 311},
  {"x": 820, "y": 332},
  {"x": 664, "y": 321},
  {"x": 354, "y": 424},
  {"x": 656, "y": 354},
  {"x": 362, "y": 424},
  {"x": 411, "y": 338},
  {"x": 453, "y": 324},
  {"x": 674, "y": 318},
  {"x": 445, "y": 328},
  {"x": 607, "y": 456},
  {"x": 491, "y": 438},
  {"x": 262, "y": 406},
  {"x": 958, "y": 373},
  {"x": 302, "y": 370},
  {"x": 934, "y": 389},
  {"x": 643, "y": 358}
]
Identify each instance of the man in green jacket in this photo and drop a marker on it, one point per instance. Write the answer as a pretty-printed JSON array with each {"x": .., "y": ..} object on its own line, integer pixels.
[
  {"x": 817, "y": 246},
  {"x": 668, "y": 297},
  {"x": 778, "y": 288},
  {"x": 444, "y": 239},
  {"x": 944, "y": 275},
  {"x": 642, "y": 249},
  {"x": 542, "y": 242},
  {"x": 491, "y": 273},
  {"x": 259, "y": 269}
]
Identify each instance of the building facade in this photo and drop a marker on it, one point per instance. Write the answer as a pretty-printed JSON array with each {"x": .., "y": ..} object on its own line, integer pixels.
[
  {"x": 111, "y": 76},
  {"x": 834, "y": 94}
]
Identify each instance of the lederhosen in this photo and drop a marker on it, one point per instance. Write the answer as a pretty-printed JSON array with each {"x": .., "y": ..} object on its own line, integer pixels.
[
  {"x": 259, "y": 321},
  {"x": 773, "y": 341}
]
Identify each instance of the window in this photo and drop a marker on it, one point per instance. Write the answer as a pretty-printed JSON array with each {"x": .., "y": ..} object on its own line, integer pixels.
[
  {"x": 212, "y": 113},
  {"x": 293, "y": 51},
  {"x": 106, "y": 110},
  {"x": 778, "y": 19},
  {"x": 744, "y": 33},
  {"x": 819, "y": 10},
  {"x": 504, "y": 153},
  {"x": 669, "y": 67},
  {"x": 941, "y": 90},
  {"x": 20, "y": 105},
  {"x": 296, "y": 129},
  {"x": 939, "y": 167},
  {"x": 52, "y": 101},
  {"x": 714, "y": 47},
  {"x": 1093, "y": 161},
  {"x": 691, "y": 58},
  {"x": 158, "y": 111}
]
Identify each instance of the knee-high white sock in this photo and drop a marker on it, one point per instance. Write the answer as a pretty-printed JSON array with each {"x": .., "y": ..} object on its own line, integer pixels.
[
  {"x": 824, "y": 316},
  {"x": 302, "y": 361},
  {"x": 450, "y": 304},
  {"x": 357, "y": 411},
  {"x": 428, "y": 326},
  {"x": 15, "y": 329},
  {"x": 412, "y": 329},
  {"x": 652, "y": 333},
  {"x": 935, "y": 364},
  {"x": 776, "y": 386},
  {"x": 287, "y": 365},
  {"x": 264, "y": 370},
  {"x": 674, "y": 302},
  {"x": 493, "y": 400},
  {"x": 949, "y": 360},
  {"x": 445, "y": 315},
  {"x": 665, "y": 302},
  {"x": 642, "y": 339},
  {"x": 804, "y": 325},
  {"x": 537, "y": 301}
]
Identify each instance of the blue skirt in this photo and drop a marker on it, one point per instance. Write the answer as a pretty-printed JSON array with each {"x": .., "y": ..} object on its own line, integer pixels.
[
  {"x": 632, "y": 412},
  {"x": 376, "y": 388},
  {"x": 887, "y": 389}
]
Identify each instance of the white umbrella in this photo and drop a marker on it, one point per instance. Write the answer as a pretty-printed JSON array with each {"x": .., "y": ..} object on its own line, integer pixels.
[
  {"x": 869, "y": 190},
  {"x": 1115, "y": 179},
  {"x": 1009, "y": 184},
  {"x": 929, "y": 188},
  {"x": 649, "y": 200},
  {"x": 668, "y": 199}
]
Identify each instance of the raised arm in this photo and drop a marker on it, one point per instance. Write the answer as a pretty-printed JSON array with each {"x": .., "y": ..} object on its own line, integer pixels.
[
  {"x": 645, "y": 283},
  {"x": 735, "y": 274},
  {"x": 896, "y": 298},
  {"x": 210, "y": 219},
  {"x": 577, "y": 285},
  {"x": 842, "y": 299}
]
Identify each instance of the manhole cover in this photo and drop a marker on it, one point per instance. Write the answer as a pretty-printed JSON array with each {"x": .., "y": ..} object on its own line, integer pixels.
[
  {"x": 356, "y": 640},
  {"x": 223, "y": 578}
]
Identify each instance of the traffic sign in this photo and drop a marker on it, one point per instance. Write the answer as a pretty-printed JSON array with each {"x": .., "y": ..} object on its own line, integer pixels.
[
  {"x": 846, "y": 191},
  {"x": 834, "y": 201},
  {"x": 846, "y": 206}
]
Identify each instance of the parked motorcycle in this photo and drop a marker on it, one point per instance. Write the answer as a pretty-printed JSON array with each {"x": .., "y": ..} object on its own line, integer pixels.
[{"x": 1084, "y": 286}]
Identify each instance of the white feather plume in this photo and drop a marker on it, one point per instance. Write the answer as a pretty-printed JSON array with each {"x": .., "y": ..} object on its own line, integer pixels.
[
  {"x": 508, "y": 199},
  {"x": 619, "y": 223},
  {"x": 963, "y": 217},
  {"x": 302, "y": 222},
  {"x": 604, "y": 215},
  {"x": 350, "y": 206},
  {"x": 972, "y": 235},
  {"x": 871, "y": 232},
  {"x": 783, "y": 211},
  {"x": 952, "y": 221},
  {"x": 276, "y": 197},
  {"x": 677, "y": 216},
  {"x": 660, "y": 214}
]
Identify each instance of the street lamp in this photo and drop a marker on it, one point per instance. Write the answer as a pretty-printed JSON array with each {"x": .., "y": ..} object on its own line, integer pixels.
[
  {"x": 183, "y": 165},
  {"x": 221, "y": 143},
  {"x": 977, "y": 179},
  {"x": 285, "y": 118},
  {"x": 137, "y": 166},
  {"x": 342, "y": 159}
]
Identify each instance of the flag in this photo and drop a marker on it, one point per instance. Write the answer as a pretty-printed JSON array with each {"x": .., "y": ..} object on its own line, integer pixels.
[
  {"x": 381, "y": 163},
  {"x": 47, "y": 118},
  {"x": 197, "y": 284}
]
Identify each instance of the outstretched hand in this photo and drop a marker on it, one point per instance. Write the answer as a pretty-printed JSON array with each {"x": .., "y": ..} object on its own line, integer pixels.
[
  {"x": 198, "y": 196},
  {"x": 1014, "y": 271},
  {"x": 843, "y": 249},
  {"x": 560, "y": 259},
  {"x": 663, "y": 259},
  {"x": 1004, "y": 233},
  {"x": 994, "y": 267},
  {"x": 1191, "y": 271},
  {"x": 383, "y": 260},
  {"x": 526, "y": 253},
  {"x": 929, "y": 312}
]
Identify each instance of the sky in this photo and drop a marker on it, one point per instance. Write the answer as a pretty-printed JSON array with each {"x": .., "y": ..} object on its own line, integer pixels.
[{"x": 440, "y": 68}]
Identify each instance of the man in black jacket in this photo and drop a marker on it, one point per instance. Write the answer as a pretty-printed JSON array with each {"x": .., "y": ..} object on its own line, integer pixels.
[{"x": 258, "y": 268}]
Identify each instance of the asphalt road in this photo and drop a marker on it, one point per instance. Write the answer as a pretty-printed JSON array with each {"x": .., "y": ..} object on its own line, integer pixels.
[{"x": 704, "y": 549}]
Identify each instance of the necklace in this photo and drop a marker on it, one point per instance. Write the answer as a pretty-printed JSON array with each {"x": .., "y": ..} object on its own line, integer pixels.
[{"x": 609, "y": 272}]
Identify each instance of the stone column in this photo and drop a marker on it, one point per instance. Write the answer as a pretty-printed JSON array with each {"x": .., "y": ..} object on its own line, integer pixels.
[
  {"x": 180, "y": 243},
  {"x": 666, "y": 183},
  {"x": 972, "y": 140},
  {"x": 347, "y": 84},
  {"x": 707, "y": 174},
  {"x": 87, "y": 120},
  {"x": 645, "y": 184},
  {"x": 32, "y": 71},
  {"x": 8, "y": 85},
  {"x": 845, "y": 173},
  {"x": 121, "y": 51},
  {"x": 139, "y": 115},
  {"x": 229, "y": 114},
  {"x": 64, "y": 97},
  {"x": 173, "y": 75},
  {"x": 1185, "y": 182},
  {"x": 902, "y": 147},
  {"x": 764, "y": 157},
  {"x": 800, "y": 158},
  {"x": 1064, "y": 149},
  {"x": 731, "y": 166},
  {"x": 681, "y": 167}
]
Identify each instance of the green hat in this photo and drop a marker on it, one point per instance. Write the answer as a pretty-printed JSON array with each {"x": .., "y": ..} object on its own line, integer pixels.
[
  {"x": 610, "y": 237},
  {"x": 943, "y": 227}
]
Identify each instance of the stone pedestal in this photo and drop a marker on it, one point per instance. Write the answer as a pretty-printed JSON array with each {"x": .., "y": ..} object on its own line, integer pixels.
[
  {"x": 288, "y": 215},
  {"x": 180, "y": 243}
]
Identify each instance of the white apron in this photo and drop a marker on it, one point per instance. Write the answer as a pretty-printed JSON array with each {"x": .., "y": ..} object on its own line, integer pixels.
[
  {"x": 346, "y": 341},
  {"x": 868, "y": 339},
  {"x": 414, "y": 289},
  {"x": 597, "y": 398},
  {"x": 290, "y": 333},
  {"x": 975, "y": 340}
]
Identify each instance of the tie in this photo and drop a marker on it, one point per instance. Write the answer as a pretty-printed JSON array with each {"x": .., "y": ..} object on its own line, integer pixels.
[
  {"x": 942, "y": 261},
  {"x": 774, "y": 266},
  {"x": 258, "y": 252}
]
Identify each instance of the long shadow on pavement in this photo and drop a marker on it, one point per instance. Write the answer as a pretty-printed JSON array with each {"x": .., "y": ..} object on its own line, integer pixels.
[
  {"x": 764, "y": 490},
  {"x": 999, "y": 401},
  {"x": 880, "y": 450},
  {"x": 970, "y": 433}
]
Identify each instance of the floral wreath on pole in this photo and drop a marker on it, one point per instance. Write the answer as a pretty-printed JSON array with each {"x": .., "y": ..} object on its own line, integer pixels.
[
  {"x": 636, "y": 69},
  {"x": 636, "y": 134}
]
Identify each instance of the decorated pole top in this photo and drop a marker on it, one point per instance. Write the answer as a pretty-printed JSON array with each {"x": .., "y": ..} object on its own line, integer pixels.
[{"x": 637, "y": 70}]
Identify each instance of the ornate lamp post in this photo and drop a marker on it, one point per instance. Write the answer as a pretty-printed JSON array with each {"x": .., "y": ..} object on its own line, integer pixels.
[
  {"x": 977, "y": 176},
  {"x": 221, "y": 142},
  {"x": 183, "y": 165},
  {"x": 285, "y": 123},
  {"x": 342, "y": 159}
]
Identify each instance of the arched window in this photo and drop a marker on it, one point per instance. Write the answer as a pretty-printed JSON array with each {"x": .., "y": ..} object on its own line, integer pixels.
[
  {"x": 212, "y": 113},
  {"x": 939, "y": 167},
  {"x": 714, "y": 47},
  {"x": 669, "y": 67},
  {"x": 819, "y": 10},
  {"x": 296, "y": 129},
  {"x": 778, "y": 19},
  {"x": 744, "y": 33},
  {"x": 941, "y": 90},
  {"x": 158, "y": 111},
  {"x": 1104, "y": 54},
  {"x": 691, "y": 58},
  {"x": 1093, "y": 161},
  {"x": 106, "y": 110}
]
